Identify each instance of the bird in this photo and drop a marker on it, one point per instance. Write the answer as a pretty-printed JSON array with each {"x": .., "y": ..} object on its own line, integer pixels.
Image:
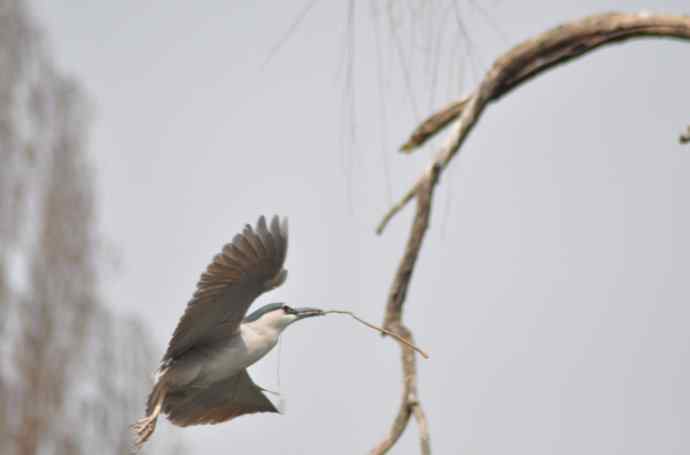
[{"x": 202, "y": 377}]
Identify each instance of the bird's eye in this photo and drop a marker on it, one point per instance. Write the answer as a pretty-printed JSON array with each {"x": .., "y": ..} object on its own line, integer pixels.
[{"x": 287, "y": 309}]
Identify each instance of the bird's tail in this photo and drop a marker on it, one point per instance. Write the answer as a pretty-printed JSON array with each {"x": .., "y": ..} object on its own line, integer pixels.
[
  {"x": 156, "y": 396},
  {"x": 144, "y": 427}
]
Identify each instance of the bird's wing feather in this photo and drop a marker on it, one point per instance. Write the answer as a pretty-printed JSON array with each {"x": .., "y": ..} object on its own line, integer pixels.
[
  {"x": 221, "y": 401},
  {"x": 250, "y": 265}
]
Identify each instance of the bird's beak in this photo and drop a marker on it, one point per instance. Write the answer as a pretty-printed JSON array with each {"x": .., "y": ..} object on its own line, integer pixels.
[{"x": 308, "y": 312}]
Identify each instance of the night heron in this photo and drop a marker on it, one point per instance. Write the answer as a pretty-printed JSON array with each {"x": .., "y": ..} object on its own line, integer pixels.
[{"x": 202, "y": 378}]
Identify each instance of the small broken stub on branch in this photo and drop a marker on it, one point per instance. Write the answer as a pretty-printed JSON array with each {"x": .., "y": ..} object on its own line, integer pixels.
[
  {"x": 380, "y": 329},
  {"x": 685, "y": 137}
]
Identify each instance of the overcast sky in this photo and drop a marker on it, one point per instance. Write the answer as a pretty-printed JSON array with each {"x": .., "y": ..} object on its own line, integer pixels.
[{"x": 551, "y": 292}]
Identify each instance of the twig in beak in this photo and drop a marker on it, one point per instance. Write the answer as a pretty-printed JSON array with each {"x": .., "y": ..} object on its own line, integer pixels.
[{"x": 380, "y": 329}]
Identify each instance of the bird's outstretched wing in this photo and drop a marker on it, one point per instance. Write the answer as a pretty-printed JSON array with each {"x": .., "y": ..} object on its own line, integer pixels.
[
  {"x": 221, "y": 401},
  {"x": 250, "y": 265}
]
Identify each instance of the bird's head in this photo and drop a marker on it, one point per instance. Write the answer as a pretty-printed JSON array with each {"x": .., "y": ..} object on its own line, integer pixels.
[{"x": 279, "y": 315}]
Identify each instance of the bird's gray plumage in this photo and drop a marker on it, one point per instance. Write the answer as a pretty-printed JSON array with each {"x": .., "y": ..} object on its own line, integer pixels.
[
  {"x": 222, "y": 401},
  {"x": 261, "y": 311},
  {"x": 245, "y": 268},
  {"x": 202, "y": 378}
]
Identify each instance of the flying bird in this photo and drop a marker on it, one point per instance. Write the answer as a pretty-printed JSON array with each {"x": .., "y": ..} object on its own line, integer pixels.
[{"x": 202, "y": 378}]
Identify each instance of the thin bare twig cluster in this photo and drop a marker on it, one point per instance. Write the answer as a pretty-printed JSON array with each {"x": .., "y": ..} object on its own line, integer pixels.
[
  {"x": 71, "y": 372},
  {"x": 521, "y": 63}
]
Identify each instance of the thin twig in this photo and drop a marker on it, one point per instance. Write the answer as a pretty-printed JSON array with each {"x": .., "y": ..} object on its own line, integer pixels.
[
  {"x": 290, "y": 31},
  {"x": 396, "y": 208},
  {"x": 380, "y": 329}
]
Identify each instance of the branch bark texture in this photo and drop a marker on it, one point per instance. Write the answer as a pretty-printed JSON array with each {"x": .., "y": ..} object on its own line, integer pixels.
[
  {"x": 521, "y": 63},
  {"x": 393, "y": 322}
]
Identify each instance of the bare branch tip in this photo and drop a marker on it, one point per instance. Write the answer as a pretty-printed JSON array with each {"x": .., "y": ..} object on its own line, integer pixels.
[
  {"x": 408, "y": 147},
  {"x": 411, "y": 193},
  {"x": 383, "y": 223}
]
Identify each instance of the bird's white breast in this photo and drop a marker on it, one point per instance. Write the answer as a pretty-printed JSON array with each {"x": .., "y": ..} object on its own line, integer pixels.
[{"x": 239, "y": 353}]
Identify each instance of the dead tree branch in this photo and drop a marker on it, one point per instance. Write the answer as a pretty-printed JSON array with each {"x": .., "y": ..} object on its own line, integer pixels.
[
  {"x": 523, "y": 62},
  {"x": 552, "y": 48},
  {"x": 527, "y": 60},
  {"x": 410, "y": 404}
]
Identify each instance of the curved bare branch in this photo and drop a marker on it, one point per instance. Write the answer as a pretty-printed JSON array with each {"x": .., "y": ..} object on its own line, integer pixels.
[
  {"x": 524, "y": 61},
  {"x": 529, "y": 59},
  {"x": 552, "y": 48}
]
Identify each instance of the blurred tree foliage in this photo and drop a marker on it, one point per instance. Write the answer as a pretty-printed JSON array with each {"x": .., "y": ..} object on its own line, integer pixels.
[{"x": 73, "y": 375}]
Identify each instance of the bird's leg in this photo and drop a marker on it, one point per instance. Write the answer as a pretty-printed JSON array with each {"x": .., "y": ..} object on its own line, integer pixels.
[{"x": 144, "y": 427}]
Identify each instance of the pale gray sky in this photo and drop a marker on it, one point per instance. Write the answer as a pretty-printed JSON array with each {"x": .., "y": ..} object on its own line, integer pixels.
[{"x": 552, "y": 291}]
